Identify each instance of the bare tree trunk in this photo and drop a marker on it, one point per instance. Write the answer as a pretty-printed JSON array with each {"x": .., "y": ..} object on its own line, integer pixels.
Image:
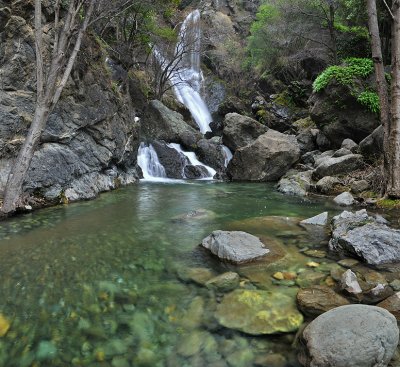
[
  {"x": 332, "y": 33},
  {"x": 48, "y": 91},
  {"x": 393, "y": 184},
  {"x": 381, "y": 83}
]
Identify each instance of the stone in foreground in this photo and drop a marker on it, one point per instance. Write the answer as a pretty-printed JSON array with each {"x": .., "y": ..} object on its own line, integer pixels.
[
  {"x": 360, "y": 235},
  {"x": 235, "y": 246},
  {"x": 318, "y": 220},
  {"x": 258, "y": 312},
  {"x": 350, "y": 336}
]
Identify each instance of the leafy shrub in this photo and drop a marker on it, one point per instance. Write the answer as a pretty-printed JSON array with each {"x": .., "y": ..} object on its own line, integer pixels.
[{"x": 370, "y": 100}]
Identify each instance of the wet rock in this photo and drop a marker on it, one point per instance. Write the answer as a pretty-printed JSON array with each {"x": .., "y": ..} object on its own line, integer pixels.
[
  {"x": 194, "y": 315},
  {"x": 195, "y": 215},
  {"x": 235, "y": 246},
  {"x": 295, "y": 183},
  {"x": 172, "y": 161},
  {"x": 359, "y": 234},
  {"x": 320, "y": 254},
  {"x": 339, "y": 166},
  {"x": 344, "y": 199},
  {"x": 197, "y": 275},
  {"x": 349, "y": 282},
  {"x": 240, "y": 131},
  {"x": 318, "y": 220},
  {"x": 241, "y": 358},
  {"x": 225, "y": 282},
  {"x": 268, "y": 158},
  {"x": 395, "y": 285},
  {"x": 319, "y": 299},
  {"x": 350, "y": 336},
  {"x": 308, "y": 278},
  {"x": 195, "y": 172},
  {"x": 377, "y": 294},
  {"x": 121, "y": 362},
  {"x": 392, "y": 304},
  {"x": 359, "y": 186},
  {"x": 258, "y": 312},
  {"x": 328, "y": 185},
  {"x": 348, "y": 263},
  {"x": 271, "y": 360},
  {"x": 191, "y": 344}
]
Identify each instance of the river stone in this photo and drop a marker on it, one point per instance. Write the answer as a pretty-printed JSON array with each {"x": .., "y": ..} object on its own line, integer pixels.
[
  {"x": 344, "y": 199},
  {"x": 295, "y": 183},
  {"x": 357, "y": 234},
  {"x": 225, "y": 282},
  {"x": 235, "y": 246},
  {"x": 328, "y": 185},
  {"x": 319, "y": 299},
  {"x": 308, "y": 278},
  {"x": 258, "y": 312},
  {"x": 350, "y": 336},
  {"x": 318, "y": 220},
  {"x": 339, "y": 165},
  {"x": 349, "y": 282},
  {"x": 392, "y": 304}
]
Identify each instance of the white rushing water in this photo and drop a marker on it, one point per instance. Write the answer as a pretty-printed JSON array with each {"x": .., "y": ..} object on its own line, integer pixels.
[
  {"x": 147, "y": 160},
  {"x": 194, "y": 161},
  {"x": 227, "y": 155},
  {"x": 186, "y": 76}
]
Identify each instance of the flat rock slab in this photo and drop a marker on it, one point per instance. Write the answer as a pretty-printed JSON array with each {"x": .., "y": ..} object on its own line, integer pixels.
[
  {"x": 318, "y": 220},
  {"x": 235, "y": 246},
  {"x": 258, "y": 312},
  {"x": 350, "y": 336}
]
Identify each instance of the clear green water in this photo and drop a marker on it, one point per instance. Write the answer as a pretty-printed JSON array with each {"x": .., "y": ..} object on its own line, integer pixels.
[{"x": 97, "y": 283}]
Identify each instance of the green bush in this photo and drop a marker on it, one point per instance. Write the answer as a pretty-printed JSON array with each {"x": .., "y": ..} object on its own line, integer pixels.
[{"x": 344, "y": 74}]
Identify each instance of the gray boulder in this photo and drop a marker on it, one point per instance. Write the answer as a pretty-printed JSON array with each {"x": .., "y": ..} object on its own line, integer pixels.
[
  {"x": 240, "y": 131},
  {"x": 344, "y": 199},
  {"x": 266, "y": 159},
  {"x": 173, "y": 162},
  {"x": 372, "y": 146},
  {"x": 296, "y": 183},
  {"x": 306, "y": 141},
  {"x": 350, "y": 336},
  {"x": 351, "y": 119},
  {"x": 341, "y": 152},
  {"x": 161, "y": 123},
  {"x": 210, "y": 152},
  {"x": 328, "y": 185},
  {"x": 318, "y": 220},
  {"x": 235, "y": 246},
  {"x": 359, "y": 186},
  {"x": 339, "y": 166},
  {"x": 350, "y": 145},
  {"x": 361, "y": 236}
]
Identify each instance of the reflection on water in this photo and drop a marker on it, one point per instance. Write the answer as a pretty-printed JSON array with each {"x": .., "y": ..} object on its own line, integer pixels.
[{"x": 100, "y": 283}]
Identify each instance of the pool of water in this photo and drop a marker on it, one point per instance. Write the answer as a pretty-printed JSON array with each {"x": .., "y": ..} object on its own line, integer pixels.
[{"x": 100, "y": 283}]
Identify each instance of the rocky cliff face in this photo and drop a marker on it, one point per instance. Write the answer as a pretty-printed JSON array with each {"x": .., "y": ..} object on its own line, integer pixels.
[{"x": 91, "y": 139}]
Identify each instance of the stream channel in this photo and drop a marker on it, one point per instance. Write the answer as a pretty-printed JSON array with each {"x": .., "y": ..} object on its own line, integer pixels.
[{"x": 116, "y": 281}]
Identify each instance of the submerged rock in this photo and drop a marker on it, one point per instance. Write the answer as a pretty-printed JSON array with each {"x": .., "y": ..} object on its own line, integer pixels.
[
  {"x": 235, "y": 246},
  {"x": 319, "y": 299},
  {"x": 357, "y": 234},
  {"x": 4, "y": 325},
  {"x": 258, "y": 312},
  {"x": 392, "y": 304},
  {"x": 225, "y": 282},
  {"x": 350, "y": 336}
]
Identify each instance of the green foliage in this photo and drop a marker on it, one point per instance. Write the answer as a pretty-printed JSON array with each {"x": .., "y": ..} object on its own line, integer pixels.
[
  {"x": 388, "y": 204},
  {"x": 370, "y": 100},
  {"x": 344, "y": 74}
]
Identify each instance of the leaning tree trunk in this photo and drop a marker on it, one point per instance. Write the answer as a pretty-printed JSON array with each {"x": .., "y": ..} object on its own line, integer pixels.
[
  {"x": 380, "y": 79},
  {"x": 393, "y": 184}
]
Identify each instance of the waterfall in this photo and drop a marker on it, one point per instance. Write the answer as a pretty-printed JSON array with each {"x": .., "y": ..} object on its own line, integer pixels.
[
  {"x": 186, "y": 76},
  {"x": 147, "y": 160},
  {"x": 193, "y": 160},
  {"x": 227, "y": 155}
]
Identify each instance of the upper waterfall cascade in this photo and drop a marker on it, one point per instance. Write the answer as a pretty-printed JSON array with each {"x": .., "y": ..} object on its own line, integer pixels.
[{"x": 186, "y": 76}]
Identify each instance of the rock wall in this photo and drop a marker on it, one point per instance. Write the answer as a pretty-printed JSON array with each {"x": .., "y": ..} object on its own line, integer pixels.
[{"x": 90, "y": 142}]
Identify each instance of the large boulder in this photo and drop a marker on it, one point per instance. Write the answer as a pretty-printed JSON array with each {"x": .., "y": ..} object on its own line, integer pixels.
[
  {"x": 338, "y": 166},
  {"x": 339, "y": 116},
  {"x": 173, "y": 162},
  {"x": 210, "y": 152},
  {"x": 359, "y": 235},
  {"x": 235, "y": 246},
  {"x": 350, "y": 336},
  {"x": 266, "y": 159},
  {"x": 161, "y": 123},
  {"x": 240, "y": 131},
  {"x": 258, "y": 312}
]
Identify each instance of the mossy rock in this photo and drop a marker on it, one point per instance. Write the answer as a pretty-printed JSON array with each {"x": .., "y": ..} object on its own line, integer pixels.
[{"x": 259, "y": 312}]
